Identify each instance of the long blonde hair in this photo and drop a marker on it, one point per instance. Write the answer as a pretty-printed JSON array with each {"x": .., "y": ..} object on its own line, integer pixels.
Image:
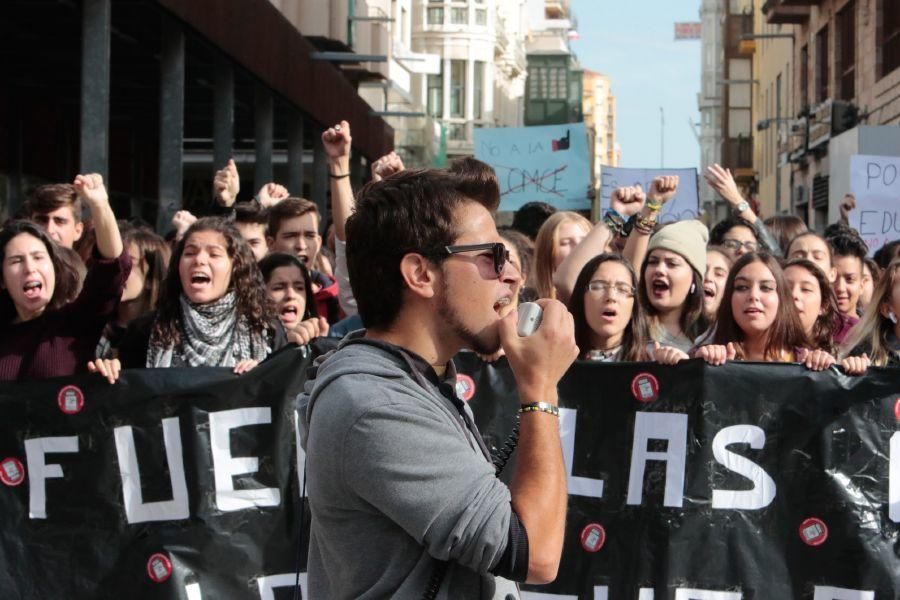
[
  {"x": 545, "y": 250},
  {"x": 873, "y": 329}
]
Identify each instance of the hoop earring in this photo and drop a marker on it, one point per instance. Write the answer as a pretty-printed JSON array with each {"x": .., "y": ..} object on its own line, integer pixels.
[{"x": 693, "y": 288}]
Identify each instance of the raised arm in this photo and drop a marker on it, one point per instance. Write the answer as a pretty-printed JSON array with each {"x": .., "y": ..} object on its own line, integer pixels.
[
  {"x": 662, "y": 189},
  {"x": 337, "y": 142},
  {"x": 226, "y": 185},
  {"x": 92, "y": 191},
  {"x": 722, "y": 181},
  {"x": 595, "y": 242}
]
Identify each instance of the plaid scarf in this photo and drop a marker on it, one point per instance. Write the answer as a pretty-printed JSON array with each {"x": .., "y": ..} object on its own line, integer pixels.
[{"x": 212, "y": 335}]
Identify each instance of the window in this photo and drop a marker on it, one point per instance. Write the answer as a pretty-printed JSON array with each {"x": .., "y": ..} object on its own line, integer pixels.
[
  {"x": 890, "y": 36},
  {"x": 456, "y": 131},
  {"x": 846, "y": 51},
  {"x": 435, "y": 16},
  {"x": 822, "y": 72},
  {"x": 436, "y": 94},
  {"x": 480, "y": 16},
  {"x": 459, "y": 16},
  {"x": 804, "y": 77},
  {"x": 547, "y": 83},
  {"x": 457, "y": 88},
  {"x": 478, "y": 90}
]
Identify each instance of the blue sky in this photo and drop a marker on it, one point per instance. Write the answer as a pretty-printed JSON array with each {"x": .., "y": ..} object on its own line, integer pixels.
[{"x": 633, "y": 43}]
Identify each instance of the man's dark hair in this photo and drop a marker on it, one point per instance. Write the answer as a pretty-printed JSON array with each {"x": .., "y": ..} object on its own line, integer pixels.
[
  {"x": 887, "y": 253},
  {"x": 848, "y": 244},
  {"x": 48, "y": 198},
  {"x": 530, "y": 216},
  {"x": 288, "y": 209},
  {"x": 250, "y": 213},
  {"x": 717, "y": 233},
  {"x": 477, "y": 180},
  {"x": 411, "y": 211}
]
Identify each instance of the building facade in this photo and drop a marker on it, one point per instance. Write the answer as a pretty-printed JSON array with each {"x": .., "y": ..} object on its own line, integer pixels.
[
  {"x": 600, "y": 120},
  {"x": 481, "y": 75},
  {"x": 554, "y": 88},
  {"x": 156, "y": 95},
  {"x": 845, "y": 91}
]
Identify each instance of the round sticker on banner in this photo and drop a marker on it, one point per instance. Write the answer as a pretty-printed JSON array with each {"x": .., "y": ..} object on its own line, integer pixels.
[
  {"x": 12, "y": 471},
  {"x": 897, "y": 409},
  {"x": 593, "y": 537},
  {"x": 70, "y": 400},
  {"x": 159, "y": 567},
  {"x": 645, "y": 387},
  {"x": 813, "y": 532},
  {"x": 465, "y": 386}
]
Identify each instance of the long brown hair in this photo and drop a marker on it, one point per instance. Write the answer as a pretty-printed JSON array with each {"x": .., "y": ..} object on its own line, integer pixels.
[
  {"x": 251, "y": 301},
  {"x": 634, "y": 344},
  {"x": 785, "y": 334},
  {"x": 545, "y": 250},
  {"x": 874, "y": 328},
  {"x": 829, "y": 320}
]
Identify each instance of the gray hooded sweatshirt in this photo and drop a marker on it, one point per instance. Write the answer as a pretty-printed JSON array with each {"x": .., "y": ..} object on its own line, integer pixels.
[{"x": 396, "y": 480}]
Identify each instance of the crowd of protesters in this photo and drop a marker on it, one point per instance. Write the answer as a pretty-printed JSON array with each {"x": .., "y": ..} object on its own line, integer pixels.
[{"x": 228, "y": 291}]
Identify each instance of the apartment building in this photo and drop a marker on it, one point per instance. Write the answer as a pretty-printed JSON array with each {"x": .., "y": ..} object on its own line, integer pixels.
[{"x": 599, "y": 107}]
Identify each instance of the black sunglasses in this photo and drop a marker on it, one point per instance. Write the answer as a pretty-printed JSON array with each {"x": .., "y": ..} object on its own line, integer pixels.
[{"x": 499, "y": 253}]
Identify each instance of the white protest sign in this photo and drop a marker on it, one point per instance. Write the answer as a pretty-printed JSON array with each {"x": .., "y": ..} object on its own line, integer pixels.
[
  {"x": 685, "y": 204},
  {"x": 875, "y": 182}
]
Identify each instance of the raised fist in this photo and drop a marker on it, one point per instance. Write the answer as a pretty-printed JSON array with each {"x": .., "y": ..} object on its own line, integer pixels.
[
  {"x": 337, "y": 140},
  {"x": 387, "y": 165},
  {"x": 628, "y": 201},
  {"x": 91, "y": 189},
  {"x": 227, "y": 184},
  {"x": 663, "y": 188}
]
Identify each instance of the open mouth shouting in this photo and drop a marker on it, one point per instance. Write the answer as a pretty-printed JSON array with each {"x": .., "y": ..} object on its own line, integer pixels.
[
  {"x": 660, "y": 287},
  {"x": 289, "y": 313},
  {"x": 501, "y": 305},
  {"x": 200, "y": 280},
  {"x": 709, "y": 291},
  {"x": 32, "y": 289}
]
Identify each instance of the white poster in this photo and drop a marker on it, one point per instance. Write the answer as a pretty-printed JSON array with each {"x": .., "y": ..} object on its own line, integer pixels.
[{"x": 875, "y": 182}]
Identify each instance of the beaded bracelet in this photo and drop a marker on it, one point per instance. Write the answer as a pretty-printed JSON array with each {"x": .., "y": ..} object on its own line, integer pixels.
[
  {"x": 653, "y": 205},
  {"x": 544, "y": 407}
]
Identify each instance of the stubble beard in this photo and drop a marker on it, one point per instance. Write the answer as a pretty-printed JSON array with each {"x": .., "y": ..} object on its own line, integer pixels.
[{"x": 471, "y": 339}]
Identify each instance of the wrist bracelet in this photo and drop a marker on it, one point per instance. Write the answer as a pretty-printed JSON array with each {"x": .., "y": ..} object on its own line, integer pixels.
[
  {"x": 544, "y": 407},
  {"x": 339, "y": 176},
  {"x": 655, "y": 206}
]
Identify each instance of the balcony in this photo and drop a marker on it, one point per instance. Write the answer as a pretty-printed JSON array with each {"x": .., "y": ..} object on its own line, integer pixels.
[
  {"x": 735, "y": 27},
  {"x": 786, "y": 12},
  {"x": 737, "y": 155}
]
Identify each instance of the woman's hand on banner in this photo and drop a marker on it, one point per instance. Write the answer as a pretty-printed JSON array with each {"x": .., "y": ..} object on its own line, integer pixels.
[
  {"x": 667, "y": 355},
  {"x": 716, "y": 354},
  {"x": 816, "y": 360},
  {"x": 244, "y": 366},
  {"x": 856, "y": 365},
  {"x": 107, "y": 367}
]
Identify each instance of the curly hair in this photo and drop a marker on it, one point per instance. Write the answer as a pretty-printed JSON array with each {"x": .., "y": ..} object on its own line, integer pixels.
[
  {"x": 65, "y": 269},
  {"x": 634, "y": 345},
  {"x": 829, "y": 320},
  {"x": 251, "y": 301}
]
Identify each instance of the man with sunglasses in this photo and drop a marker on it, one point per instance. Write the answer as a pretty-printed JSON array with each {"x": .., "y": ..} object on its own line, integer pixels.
[{"x": 404, "y": 499}]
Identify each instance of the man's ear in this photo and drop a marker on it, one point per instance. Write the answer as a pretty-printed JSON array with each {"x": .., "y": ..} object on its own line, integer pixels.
[
  {"x": 270, "y": 242},
  {"x": 419, "y": 274},
  {"x": 79, "y": 229}
]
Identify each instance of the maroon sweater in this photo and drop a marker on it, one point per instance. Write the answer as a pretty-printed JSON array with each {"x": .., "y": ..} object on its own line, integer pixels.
[{"x": 61, "y": 342}]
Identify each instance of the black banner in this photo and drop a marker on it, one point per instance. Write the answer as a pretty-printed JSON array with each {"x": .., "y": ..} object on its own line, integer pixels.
[
  {"x": 686, "y": 483},
  {"x": 174, "y": 483}
]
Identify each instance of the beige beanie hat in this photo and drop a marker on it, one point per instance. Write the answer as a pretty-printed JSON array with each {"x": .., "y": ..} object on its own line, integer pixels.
[{"x": 687, "y": 238}]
